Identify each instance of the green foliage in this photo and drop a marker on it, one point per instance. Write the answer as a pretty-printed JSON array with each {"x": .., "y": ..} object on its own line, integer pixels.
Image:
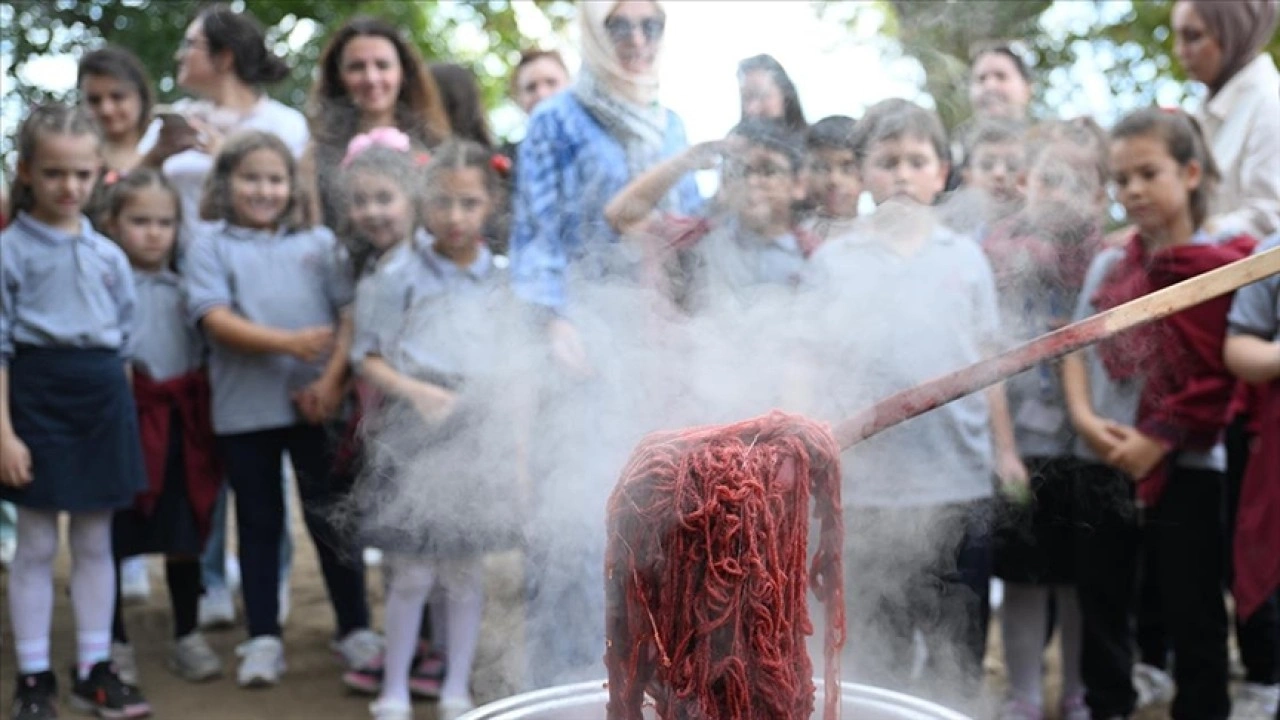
[
  {"x": 1131, "y": 42},
  {"x": 153, "y": 28}
]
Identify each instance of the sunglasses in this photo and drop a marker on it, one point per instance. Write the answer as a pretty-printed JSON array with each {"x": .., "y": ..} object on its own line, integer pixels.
[{"x": 620, "y": 28}]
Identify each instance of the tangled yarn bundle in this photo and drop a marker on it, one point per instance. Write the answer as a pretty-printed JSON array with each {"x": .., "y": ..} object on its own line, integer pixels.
[{"x": 706, "y": 572}]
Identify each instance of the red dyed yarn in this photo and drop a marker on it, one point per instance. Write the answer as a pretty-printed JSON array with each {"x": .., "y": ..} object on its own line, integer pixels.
[{"x": 706, "y": 572}]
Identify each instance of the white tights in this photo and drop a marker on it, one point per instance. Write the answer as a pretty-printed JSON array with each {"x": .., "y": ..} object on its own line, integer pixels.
[
  {"x": 93, "y": 586},
  {"x": 1024, "y": 625},
  {"x": 411, "y": 581}
]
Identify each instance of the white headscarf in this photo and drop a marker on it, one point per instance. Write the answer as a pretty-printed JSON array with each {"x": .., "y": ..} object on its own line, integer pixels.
[{"x": 601, "y": 59}]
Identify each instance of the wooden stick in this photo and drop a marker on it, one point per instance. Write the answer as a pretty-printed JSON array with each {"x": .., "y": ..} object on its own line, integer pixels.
[{"x": 918, "y": 400}]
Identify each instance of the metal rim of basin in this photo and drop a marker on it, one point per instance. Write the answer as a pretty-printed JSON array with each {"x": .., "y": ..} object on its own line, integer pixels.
[{"x": 576, "y": 695}]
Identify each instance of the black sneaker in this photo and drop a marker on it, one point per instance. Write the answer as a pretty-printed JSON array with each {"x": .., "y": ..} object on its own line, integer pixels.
[
  {"x": 104, "y": 693},
  {"x": 34, "y": 697}
]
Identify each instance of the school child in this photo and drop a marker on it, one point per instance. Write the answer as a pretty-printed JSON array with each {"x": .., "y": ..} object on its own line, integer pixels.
[
  {"x": 1039, "y": 256},
  {"x": 171, "y": 391},
  {"x": 384, "y": 179},
  {"x": 1252, "y": 353},
  {"x": 752, "y": 239},
  {"x": 68, "y": 428},
  {"x": 834, "y": 184},
  {"x": 994, "y": 157},
  {"x": 270, "y": 292},
  {"x": 1149, "y": 408},
  {"x": 426, "y": 440},
  {"x": 905, "y": 300}
]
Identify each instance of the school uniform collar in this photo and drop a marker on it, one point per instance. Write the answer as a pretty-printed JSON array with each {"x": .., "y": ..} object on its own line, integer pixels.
[
  {"x": 1255, "y": 79},
  {"x": 164, "y": 276},
  {"x": 478, "y": 270},
  {"x": 52, "y": 235},
  {"x": 240, "y": 232}
]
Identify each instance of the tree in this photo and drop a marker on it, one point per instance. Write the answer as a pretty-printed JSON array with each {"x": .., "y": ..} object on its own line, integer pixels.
[
  {"x": 1130, "y": 42},
  {"x": 296, "y": 28}
]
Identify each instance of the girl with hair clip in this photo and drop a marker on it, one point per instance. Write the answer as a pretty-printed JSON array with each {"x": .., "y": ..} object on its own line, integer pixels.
[
  {"x": 171, "y": 391},
  {"x": 1150, "y": 407},
  {"x": 68, "y": 427},
  {"x": 271, "y": 293},
  {"x": 369, "y": 76},
  {"x": 437, "y": 491}
]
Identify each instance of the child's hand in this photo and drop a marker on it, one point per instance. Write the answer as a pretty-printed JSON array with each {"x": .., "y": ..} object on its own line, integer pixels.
[
  {"x": 1135, "y": 453},
  {"x": 567, "y": 348},
  {"x": 320, "y": 400},
  {"x": 434, "y": 404},
  {"x": 707, "y": 155},
  {"x": 1100, "y": 435},
  {"x": 311, "y": 344},
  {"x": 1013, "y": 476},
  {"x": 15, "y": 461}
]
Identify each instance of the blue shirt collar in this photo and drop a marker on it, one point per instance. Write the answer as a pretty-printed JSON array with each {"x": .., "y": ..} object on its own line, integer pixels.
[
  {"x": 50, "y": 234},
  {"x": 478, "y": 270}
]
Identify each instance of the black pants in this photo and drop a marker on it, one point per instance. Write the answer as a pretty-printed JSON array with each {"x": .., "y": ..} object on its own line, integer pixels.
[
  {"x": 1259, "y": 636},
  {"x": 1187, "y": 529},
  {"x": 253, "y": 466}
]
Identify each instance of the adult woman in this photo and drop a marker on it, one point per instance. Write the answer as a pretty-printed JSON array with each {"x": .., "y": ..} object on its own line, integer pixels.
[
  {"x": 767, "y": 92},
  {"x": 115, "y": 87},
  {"x": 582, "y": 147},
  {"x": 585, "y": 145},
  {"x": 999, "y": 82},
  {"x": 370, "y": 77},
  {"x": 223, "y": 60},
  {"x": 1221, "y": 46}
]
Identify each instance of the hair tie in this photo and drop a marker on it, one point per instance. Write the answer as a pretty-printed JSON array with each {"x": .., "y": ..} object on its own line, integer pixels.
[
  {"x": 111, "y": 177},
  {"x": 501, "y": 164},
  {"x": 384, "y": 137},
  {"x": 421, "y": 159}
]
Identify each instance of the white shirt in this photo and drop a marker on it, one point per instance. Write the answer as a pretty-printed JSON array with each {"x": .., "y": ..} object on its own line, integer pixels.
[
  {"x": 1242, "y": 126},
  {"x": 187, "y": 170}
]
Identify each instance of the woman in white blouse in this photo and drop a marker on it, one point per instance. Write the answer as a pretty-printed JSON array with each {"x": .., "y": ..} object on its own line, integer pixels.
[{"x": 1221, "y": 44}]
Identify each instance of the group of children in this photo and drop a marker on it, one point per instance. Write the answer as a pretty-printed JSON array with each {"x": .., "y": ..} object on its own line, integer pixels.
[{"x": 139, "y": 372}]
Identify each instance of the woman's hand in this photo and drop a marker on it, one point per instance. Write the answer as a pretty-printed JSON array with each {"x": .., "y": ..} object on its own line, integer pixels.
[
  {"x": 208, "y": 139},
  {"x": 15, "y": 461},
  {"x": 1135, "y": 453}
]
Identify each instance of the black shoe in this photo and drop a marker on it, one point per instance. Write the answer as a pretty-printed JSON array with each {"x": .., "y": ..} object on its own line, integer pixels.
[
  {"x": 104, "y": 693},
  {"x": 34, "y": 697}
]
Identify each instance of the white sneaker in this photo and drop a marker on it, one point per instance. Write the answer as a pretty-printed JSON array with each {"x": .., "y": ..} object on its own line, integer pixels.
[
  {"x": 217, "y": 610},
  {"x": 261, "y": 661},
  {"x": 191, "y": 659},
  {"x": 359, "y": 649},
  {"x": 125, "y": 659},
  {"x": 385, "y": 709},
  {"x": 282, "y": 612},
  {"x": 1153, "y": 685},
  {"x": 1254, "y": 701},
  {"x": 454, "y": 708},
  {"x": 135, "y": 584}
]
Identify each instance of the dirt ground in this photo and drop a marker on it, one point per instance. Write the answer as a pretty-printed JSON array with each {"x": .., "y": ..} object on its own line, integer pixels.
[{"x": 311, "y": 689}]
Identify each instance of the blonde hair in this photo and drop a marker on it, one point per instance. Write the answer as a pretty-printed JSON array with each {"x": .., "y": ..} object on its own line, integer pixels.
[{"x": 215, "y": 204}]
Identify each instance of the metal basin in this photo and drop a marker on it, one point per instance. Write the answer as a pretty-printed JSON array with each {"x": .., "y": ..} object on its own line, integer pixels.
[{"x": 587, "y": 701}]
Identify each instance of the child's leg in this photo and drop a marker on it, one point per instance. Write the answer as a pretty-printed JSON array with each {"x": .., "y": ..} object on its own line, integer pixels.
[
  {"x": 411, "y": 581},
  {"x": 182, "y": 574},
  {"x": 93, "y": 586},
  {"x": 1189, "y": 526},
  {"x": 31, "y": 588},
  {"x": 1069, "y": 627},
  {"x": 1023, "y": 624},
  {"x": 464, "y": 582},
  {"x": 253, "y": 465},
  {"x": 340, "y": 560}
]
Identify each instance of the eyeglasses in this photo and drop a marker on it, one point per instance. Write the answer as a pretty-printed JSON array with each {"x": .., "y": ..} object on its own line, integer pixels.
[
  {"x": 620, "y": 28},
  {"x": 186, "y": 44}
]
